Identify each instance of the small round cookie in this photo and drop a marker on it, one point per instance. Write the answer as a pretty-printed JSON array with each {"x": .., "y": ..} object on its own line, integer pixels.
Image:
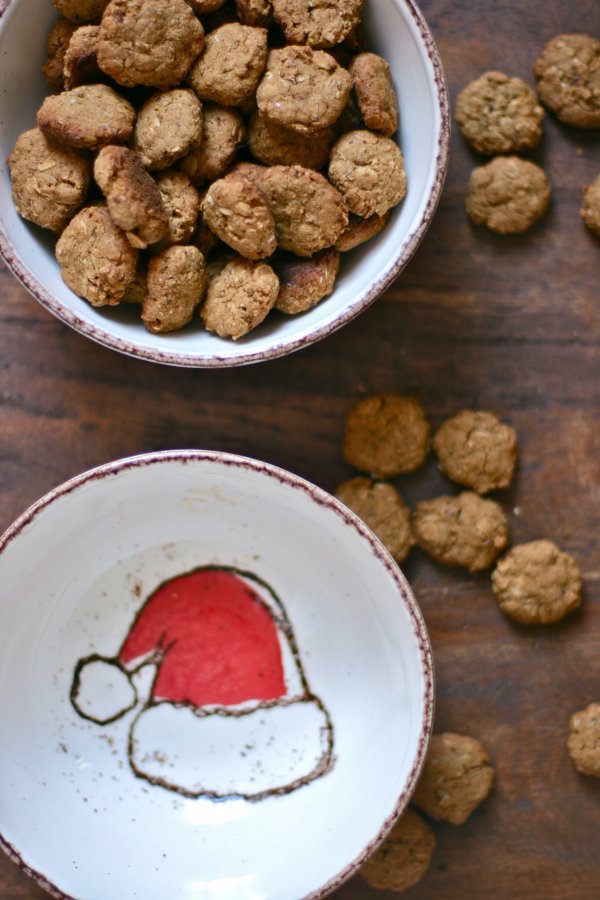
[
  {"x": 167, "y": 127},
  {"x": 229, "y": 68},
  {"x": 80, "y": 63},
  {"x": 309, "y": 213},
  {"x": 461, "y": 531},
  {"x": 368, "y": 170},
  {"x": 302, "y": 89},
  {"x": 456, "y": 778},
  {"x": 97, "y": 261},
  {"x": 358, "y": 231},
  {"x": 239, "y": 297},
  {"x": 237, "y": 212},
  {"x": 381, "y": 507},
  {"x": 476, "y": 449},
  {"x": 403, "y": 858},
  {"x": 584, "y": 740},
  {"x": 590, "y": 211},
  {"x": 131, "y": 195},
  {"x": 81, "y": 11},
  {"x": 56, "y": 47},
  {"x": 375, "y": 93},
  {"x": 568, "y": 74},
  {"x": 498, "y": 114},
  {"x": 536, "y": 583},
  {"x": 255, "y": 12},
  {"x": 275, "y": 145},
  {"x": 305, "y": 282},
  {"x": 318, "y": 23},
  {"x": 181, "y": 203},
  {"x": 49, "y": 183},
  {"x": 89, "y": 117},
  {"x": 508, "y": 195},
  {"x": 150, "y": 42},
  {"x": 176, "y": 285},
  {"x": 386, "y": 435},
  {"x": 223, "y": 135}
]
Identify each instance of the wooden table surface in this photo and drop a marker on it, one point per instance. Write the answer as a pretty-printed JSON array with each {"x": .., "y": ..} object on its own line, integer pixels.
[{"x": 510, "y": 324}]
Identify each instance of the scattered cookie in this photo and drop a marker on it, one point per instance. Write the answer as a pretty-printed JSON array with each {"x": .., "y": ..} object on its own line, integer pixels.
[
  {"x": 275, "y": 145},
  {"x": 358, "y": 231},
  {"x": 584, "y": 740},
  {"x": 537, "y": 583},
  {"x": 508, "y": 195},
  {"x": 456, "y": 778},
  {"x": 404, "y": 856},
  {"x": 568, "y": 74},
  {"x": 181, "y": 203},
  {"x": 590, "y": 211},
  {"x": 239, "y": 297},
  {"x": 375, "y": 93},
  {"x": 386, "y": 435},
  {"x": 476, "y": 449},
  {"x": 305, "y": 282},
  {"x": 49, "y": 183},
  {"x": 237, "y": 212},
  {"x": 368, "y": 170},
  {"x": 461, "y": 531},
  {"x": 223, "y": 135},
  {"x": 498, "y": 114},
  {"x": 381, "y": 507},
  {"x": 176, "y": 285},
  {"x": 56, "y": 47},
  {"x": 324, "y": 23},
  {"x": 255, "y": 12},
  {"x": 230, "y": 66},
  {"x": 80, "y": 62},
  {"x": 97, "y": 260},
  {"x": 88, "y": 117},
  {"x": 168, "y": 126},
  {"x": 81, "y": 11}
]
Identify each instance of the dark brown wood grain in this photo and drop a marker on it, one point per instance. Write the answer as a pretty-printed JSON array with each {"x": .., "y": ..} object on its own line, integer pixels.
[{"x": 508, "y": 324}]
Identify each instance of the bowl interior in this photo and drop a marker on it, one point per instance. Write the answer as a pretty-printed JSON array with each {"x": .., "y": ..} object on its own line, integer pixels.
[
  {"x": 396, "y": 31},
  {"x": 76, "y": 570}
]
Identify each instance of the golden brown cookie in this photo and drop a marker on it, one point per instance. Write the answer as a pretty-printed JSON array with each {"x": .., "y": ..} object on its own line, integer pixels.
[
  {"x": 97, "y": 261},
  {"x": 568, "y": 74},
  {"x": 381, "y": 507},
  {"x": 537, "y": 583},
  {"x": 584, "y": 740},
  {"x": 508, "y": 195},
  {"x": 590, "y": 211},
  {"x": 56, "y": 47},
  {"x": 318, "y": 23},
  {"x": 368, "y": 170},
  {"x": 167, "y": 127},
  {"x": 176, "y": 285},
  {"x": 461, "y": 531},
  {"x": 305, "y": 282},
  {"x": 275, "y": 145},
  {"x": 309, "y": 213},
  {"x": 88, "y": 117},
  {"x": 302, "y": 89},
  {"x": 255, "y": 12},
  {"x": 81, "y": 11},
  {"x": 238, "y": 213},
  {"x": 49, "y": 183},
  {"x": 498, "y": 114},
  {"x": 239, "y": 297},
  {"x": 181, "y": 203},
  {"x": 151, "y": 42},
  {"x": 375, "y": 93},
  {"x": 403, "y": 858},
  {"x": 456, "y": 778},
  {"x": 476, "y": 449},
  {"x": 386, "y": 435},
  {"x": 80, "y": 62},
  {"x": 223, "y": 135},
  {"x": 230, "y": 66},
  {"x": 131, "y": 195},
  {"x": 358, "y": 231}
]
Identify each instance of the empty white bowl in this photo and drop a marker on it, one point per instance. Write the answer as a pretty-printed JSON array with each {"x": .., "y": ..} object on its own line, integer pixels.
[
  {"x": 250, "y": 730},
  {"x": 396, "y": 30}
]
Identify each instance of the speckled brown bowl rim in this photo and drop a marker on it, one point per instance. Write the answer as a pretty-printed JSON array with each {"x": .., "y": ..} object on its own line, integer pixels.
[
  {"x": 404, "y": 253},
  {"x": 321, "y": 498}
]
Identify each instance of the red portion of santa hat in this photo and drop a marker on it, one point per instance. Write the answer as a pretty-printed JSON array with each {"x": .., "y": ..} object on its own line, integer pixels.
[{"x": 218, "y": 640}]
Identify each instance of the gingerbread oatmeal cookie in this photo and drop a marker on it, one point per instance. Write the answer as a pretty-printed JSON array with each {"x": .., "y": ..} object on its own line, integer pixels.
[
  {"x": 368, "y": 170},
  {"x": 456, "y": 778},
  {"x": 97, "y": 261},
  {"x": 584, "y": 740},
  {"x": 318, "y": 23},
  {"x": 590, "y": 211},
  {"x": 80, "y": 63},
  {"x": 181, "y": 203},
  {"x": 305, "y": 282},
  {"x": 176, "y": 284},
  {"x": 81, "y": 11},
  {"x": 275, "y": 145},
  {"x": 537, "y": 583},
  {"x": 237, "y": 212},
  {"x": 49, "y": 183},
  {"x": 230, "y": 66},
  {"x": 168, "y": 126},
  {"x": 358, "y": 231},
  {"x": 224, "y": 133},
  {"x": 476, "y": 449},
  {"x": 239, "y": 297},
  {"x": 88, "y": 117},
  {"x": 255, "y": 12},
  {"x": 568, "y": 74},
  {"x": 56, "y": 47},
  {"x": 302, "y": 89},
  {"x": 375, "y": 93},
  {"x": 386, "y": 435},
  {"x": 150, "y": 42},
  {"x": 403, "y": 858},
  {"x": 508, "y": 195},
  {"x": 131, "y": 195},
  {"x": 381, "y": 507}
]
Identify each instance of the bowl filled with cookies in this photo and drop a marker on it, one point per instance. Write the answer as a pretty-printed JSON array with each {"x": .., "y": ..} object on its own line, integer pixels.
[{"x": 216, "y": 182}]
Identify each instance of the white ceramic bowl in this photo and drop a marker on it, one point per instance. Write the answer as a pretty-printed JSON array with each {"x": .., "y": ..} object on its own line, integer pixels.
[
  {"x": 398, "y": 31},
  {"x": 110, "y": 784}
]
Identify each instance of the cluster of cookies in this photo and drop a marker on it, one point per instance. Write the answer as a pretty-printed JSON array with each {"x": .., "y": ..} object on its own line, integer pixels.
[
  {"x": 501, "y": 117},
  {"x": 137, "y": 161}
]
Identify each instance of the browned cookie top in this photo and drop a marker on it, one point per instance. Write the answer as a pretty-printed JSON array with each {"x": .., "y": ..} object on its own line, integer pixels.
[
  {"x": 476, "y": 449},
  {"x": 230, "y": 66},
  {"x": 590, "y": 211},
  {"x": 368, "y": 169},
  {"x": 375, "y": 93},
  {"x": 381, "y": 507},
  {"x": 89, "y": 117},
  {"x": 237, "y": 212},
  {"x": 404, "y": 856},
  {"x": 508, "y": 195},
  {"x": 81, "y": 11},
  {"x": 176, "y": 284},
  {"x": 305, "y": 282},
  {"x": 568, "y": 73},
  {"x": 276, "y": 145},
  {"x": 56, "y": 47},
  {"x": 80, "y": 62},
  {"x": 359, "y": 230},
  {"x": 386, "y": 435},
  {"x": 456, "y": 778},
  {"x": 584, "y": 740},
  {"x": 239, "y": 297},
  {"x": 223, "y": 135},
  {"x": 167, "y": 127},
  {"x": 318, "y": 23}
]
